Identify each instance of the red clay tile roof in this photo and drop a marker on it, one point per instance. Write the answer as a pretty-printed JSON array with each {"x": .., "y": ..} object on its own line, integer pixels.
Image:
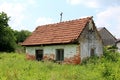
[{"x": 63, "y": 32}]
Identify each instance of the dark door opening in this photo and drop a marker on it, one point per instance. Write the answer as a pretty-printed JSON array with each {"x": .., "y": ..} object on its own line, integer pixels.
[
  {"x": 39, "y": 55},
  {"x": 59, "y": 54},
  {"x": 92, "y": 52}
]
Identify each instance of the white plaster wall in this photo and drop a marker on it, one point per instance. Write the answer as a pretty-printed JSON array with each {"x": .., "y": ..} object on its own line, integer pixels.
[
  {"x": 118, "y": 45},
  {"x": 69, "y": 50},
  {"x": 99, "y": 48},
  {"x": 89, "y": 40},
  {"x": 31, "y": 50},
  {"x": 86, "y": 48}
]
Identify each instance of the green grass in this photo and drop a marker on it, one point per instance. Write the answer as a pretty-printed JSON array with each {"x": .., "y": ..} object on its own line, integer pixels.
[{"x": 14, "y": 66}]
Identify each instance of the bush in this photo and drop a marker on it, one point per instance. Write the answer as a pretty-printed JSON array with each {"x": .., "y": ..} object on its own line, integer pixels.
[
  {"x": 110, "y": 55},
  {"x": 89, "y": 60},
  {"x": 20, "y": 49}
]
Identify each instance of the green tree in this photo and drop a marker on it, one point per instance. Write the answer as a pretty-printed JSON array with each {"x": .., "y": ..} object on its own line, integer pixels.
[
  {"x": 3, "y": 21},
  {"x": 7, "y": 39},
  {"x": 21, "y": 35}
]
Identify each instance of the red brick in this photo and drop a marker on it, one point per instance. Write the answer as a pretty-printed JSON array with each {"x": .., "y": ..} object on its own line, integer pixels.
[{"x": 30, "y": 57}]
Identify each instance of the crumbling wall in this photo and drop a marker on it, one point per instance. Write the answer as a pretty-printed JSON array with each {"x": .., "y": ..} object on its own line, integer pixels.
[
  {"x": 73, "y": 60},
  {"x": 30, "y": 57},
  {"x": 90, "y": 39},
  {"x": 71, "y": 53},
  {"x": 49, "y": 57}
]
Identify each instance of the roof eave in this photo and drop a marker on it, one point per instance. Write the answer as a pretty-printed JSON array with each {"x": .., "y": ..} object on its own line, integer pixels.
[{"x": 71, "y": 42}]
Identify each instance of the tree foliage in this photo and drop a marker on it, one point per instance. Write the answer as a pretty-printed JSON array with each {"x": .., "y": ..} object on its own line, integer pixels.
[
  {"x": 21, "y": 35},
  {"x": 7, "y": 39},
  {"x": 3, "y": 21}
]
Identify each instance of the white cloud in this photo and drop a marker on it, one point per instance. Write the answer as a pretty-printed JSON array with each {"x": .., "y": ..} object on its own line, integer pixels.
[
  {"x": 92, "y": 4},
  {"x": 15, "y": 11},
  {"x": 110, "y": 18},
  {"x": 74, "y": 2},
  {"x": 43, "y": 21},
  {"x": 32, "y": 2},
  {"x": 88, "y": 3},
  {"x": 95, "y": 3}
]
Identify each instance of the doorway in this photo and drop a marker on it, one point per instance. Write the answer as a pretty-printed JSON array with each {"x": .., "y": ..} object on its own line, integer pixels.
[
  {"x": 92, "y": 52},
  {"x": 39, "y": 54}
]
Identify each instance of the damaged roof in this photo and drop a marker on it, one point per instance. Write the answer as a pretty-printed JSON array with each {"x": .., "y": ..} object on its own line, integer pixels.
[{"x": 63, "y": 32}]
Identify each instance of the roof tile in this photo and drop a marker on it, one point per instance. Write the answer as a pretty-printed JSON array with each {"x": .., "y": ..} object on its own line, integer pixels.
[{"x": 63, "y": 32}]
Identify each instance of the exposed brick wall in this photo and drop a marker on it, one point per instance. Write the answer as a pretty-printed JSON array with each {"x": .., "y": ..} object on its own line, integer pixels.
[
  {"x": 73, "y": 60},
  {"x": 30, "y": 57},
  {"x": 50, "y": 57}
]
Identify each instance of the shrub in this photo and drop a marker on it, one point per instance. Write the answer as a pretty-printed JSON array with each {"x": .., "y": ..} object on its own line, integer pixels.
[
  {"x": 110, "y": 55},
  {"x": 92, "y": 59}
]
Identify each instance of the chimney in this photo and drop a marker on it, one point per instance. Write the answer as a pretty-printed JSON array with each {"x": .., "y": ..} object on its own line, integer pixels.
[{"x": 61, "y": 16}]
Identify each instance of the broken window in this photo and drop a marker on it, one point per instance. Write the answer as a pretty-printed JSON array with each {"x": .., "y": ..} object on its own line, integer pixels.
[
  {"x": 59, "y": 54},
  {"x": 39, "y": 54}
]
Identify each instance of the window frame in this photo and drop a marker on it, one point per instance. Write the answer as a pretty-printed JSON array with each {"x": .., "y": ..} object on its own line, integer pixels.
[{"x": 59, "y": 54}]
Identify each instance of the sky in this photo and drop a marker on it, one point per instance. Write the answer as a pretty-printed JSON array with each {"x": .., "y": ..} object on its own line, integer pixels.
[{"x": 28, "y": 14}]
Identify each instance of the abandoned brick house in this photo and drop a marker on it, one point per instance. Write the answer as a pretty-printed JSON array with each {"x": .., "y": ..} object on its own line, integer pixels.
[
  {"x": 107, "y": 37},
  {"x": 67, "y": 42}
]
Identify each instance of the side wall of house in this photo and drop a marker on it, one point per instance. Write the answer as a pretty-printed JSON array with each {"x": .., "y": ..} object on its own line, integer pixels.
[
  {"x": 71, "y": 52},
  {"x": 90, "y": 41},
  {"x": 118, "y": 45}
]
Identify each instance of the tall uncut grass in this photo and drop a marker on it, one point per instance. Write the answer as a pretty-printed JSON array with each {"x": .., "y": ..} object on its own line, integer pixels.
[{"x": 14, "y": 66}]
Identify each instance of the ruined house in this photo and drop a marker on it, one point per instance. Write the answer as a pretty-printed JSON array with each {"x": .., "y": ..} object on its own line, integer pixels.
[
  {"x": 107, "y": 37},
  {"x": 66, "y": 42}
]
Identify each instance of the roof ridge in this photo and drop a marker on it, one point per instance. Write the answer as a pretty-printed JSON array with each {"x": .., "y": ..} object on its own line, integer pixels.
[
  {"x": 64, "y": 32},
  {"x": 90, "y": 17}
]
